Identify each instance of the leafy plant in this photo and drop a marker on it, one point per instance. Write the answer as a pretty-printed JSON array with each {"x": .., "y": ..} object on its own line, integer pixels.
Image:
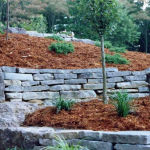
[
  {"x": 55, "y": 37},
  {"x": 1, "y": 28},
  {"x": 62, "y": 47},
  {"x": 107, "y": 44},
  {"x": 61, "y": 144},
  {"x": 116, "y": 59},
  {"x": 122, "y": 103},
  {"x": 63, "y": 104},
  {"x": 118, "y": 49}
]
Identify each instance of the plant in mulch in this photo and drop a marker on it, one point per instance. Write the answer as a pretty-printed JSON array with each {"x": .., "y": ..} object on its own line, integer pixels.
[
  {"x": 63, "y": 104},
  {"x": 55, "y": 37},
  {"x": 118, "y": 49},
  {"x": 62, "y": 47},
  {"x": 116, "y": 59},
  {"x": 61, "y": 144},
  {"x": 107, "y": 44},
  {"x": 121, "y": 101}
]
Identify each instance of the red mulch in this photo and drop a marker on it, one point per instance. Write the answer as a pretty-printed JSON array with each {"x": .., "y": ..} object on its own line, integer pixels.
[
  {"x": 32, "y": 52},
  {"x": 93, "y": 115}
]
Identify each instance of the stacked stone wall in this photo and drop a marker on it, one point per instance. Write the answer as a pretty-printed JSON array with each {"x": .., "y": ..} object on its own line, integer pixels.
[{"x": 22, "y": 84}]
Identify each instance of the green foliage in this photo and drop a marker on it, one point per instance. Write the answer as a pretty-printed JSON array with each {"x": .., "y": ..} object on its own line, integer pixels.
[
  {"x": 1, "y": 28},
  {"x": 64, "y": 104},
  {"x": 61, "y": 144},
  {"x": 116, "y": 59},
  {"x": 122, "y": 103},
  {"x": 62, "y": 47},
  {"x": 55, "y": 37},
  {"x": 107, "y": 44},
  {"x": 15, "y": 148},
  {"x": 118, "y": 49},
  {"x": 38, "y": 24}
]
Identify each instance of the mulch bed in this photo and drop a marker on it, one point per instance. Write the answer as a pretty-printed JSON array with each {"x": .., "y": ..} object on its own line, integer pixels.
[
  {"x": 93, "y": 115},
  {"x": 32, "y": 52}
]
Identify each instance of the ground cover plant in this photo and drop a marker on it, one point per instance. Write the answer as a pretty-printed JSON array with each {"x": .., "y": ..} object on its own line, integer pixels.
[
  {"x": 116, "y": 59},
  {"x": 62, "y": 47},
  {"x": 94, "y": 115},
  {"x": 107, "y": 44},
  {"x": 32, "y": 52},
  {"x": 55, "y": 37},
  {"x": 118, "y": 49}
]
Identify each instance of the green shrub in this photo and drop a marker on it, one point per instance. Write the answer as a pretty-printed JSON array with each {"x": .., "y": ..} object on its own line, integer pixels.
[
  {"x": 1, "y": 28},
  {"x": 107, "y": 44},
  {"x": 63, "y": 104},
  {"x": 61, "y": 144},
  {"x": 116, "y": 59},
  {"x": 118, "y": 49},
  {"x": 122, "y": 103},
  {"x": 62, "y": 47},
  {"x": 55, "y": 37}
]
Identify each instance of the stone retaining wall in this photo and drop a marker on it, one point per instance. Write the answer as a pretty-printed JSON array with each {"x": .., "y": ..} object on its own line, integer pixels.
[
  {"x": 23, "y": 84},
  {"x": 35, "y": 138}
]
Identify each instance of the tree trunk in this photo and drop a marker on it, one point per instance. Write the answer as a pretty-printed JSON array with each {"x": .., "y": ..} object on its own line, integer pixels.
[
  {"x": 105, "y": 99},
  {"x": 7, "y": 20},
  {"x": 146, "y": 39}
]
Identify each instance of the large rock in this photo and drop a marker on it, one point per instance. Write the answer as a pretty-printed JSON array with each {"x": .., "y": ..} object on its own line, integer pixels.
[
  {"x": 30, "y": 83},
  {"x": 40, "y": 95},
  {"x": 14, "y": 95},
  {"x": 135, "y": 78},
  {"x": 35, "y": 88},
  {"x": 9, "y": 69},
  {"x": 90, "y": 75},
  {"x": 63, "y": 71},
  {"x": 17, "y": 76},
  {"x": 65, "y": 87},
  {"x": 26, "y": 70},
  {"x": 41, "y": 77},
  {"x": 115, "y": 79},
  {"x": 13, "y": 113},
  {"x": 17, "y": 30},
  {"x": 65, "y": 76},
  {"x": 53, "y": 82},
  {"x": 76, "y": 81},
  {"x": 118, "y": 74}
]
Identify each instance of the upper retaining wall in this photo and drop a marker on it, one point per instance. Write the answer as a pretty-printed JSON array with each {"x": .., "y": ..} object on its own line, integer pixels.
[{"x": 80, "y": 84}]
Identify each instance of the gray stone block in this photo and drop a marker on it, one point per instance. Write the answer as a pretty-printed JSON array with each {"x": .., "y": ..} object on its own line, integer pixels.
[
  {"x": 135, "y": 78},
  {"x": 14, "y": 95},
  {"x": 115, "y": 79},
  {"x": 143, "y": 89},
  {"x": 17, "y": 76},
  {"x": 137, "y": 73},
  {"x": 118, "y": 74},
  {"x": 90, "y": 75},
  {"x": 40, "y": 77},
  {"x": 95, "y": 81},
  {"x": 132, "y": 84},
  {"x": 128, "y": 137},
  {"x": 1, "y": 77},
  {"x": 15, "y": 100},
  {"x": 53, "y": 82},
  {"x": 13, "y": 88},
  {"x": 30, "y": 83},
  {"x": 138, "y": 95},
  {"x": 12, "y": 82},
  {"x": 65, "y": 87},
  {"x": 8, "y": 69},
  {"x": 131, "y": 147},
  {"x": 97, "y": 86},
  {"x": 92, "y": 145},
  {"x": 76, "y": 81},
  {"x": 92, "y": 70},
  {"x": 78, "y": 94},
  {"x": 27, "y": 70},
  {"x": 35, "y": 88},
  {"x": 63, "y": 71},
  {"x": 65, "y": 76},
  {"x": 147, "y": 71},
  {"x": 40, "y": 95},
  {"x": 127, "y": 90}
]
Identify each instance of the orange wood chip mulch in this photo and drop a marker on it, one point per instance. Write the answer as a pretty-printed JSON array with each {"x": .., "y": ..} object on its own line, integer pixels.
[
  {"x": 93, "y": 115},
  {"x": 32, "y": 52}
]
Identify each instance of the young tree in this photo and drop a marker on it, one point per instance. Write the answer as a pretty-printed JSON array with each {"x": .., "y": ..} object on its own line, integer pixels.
[
  {"x": 7, "y": 20},
  {"x": 101, "y": 14}
]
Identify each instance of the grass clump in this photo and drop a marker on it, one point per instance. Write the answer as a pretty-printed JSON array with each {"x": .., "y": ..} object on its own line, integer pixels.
[
  {"x": 107, "y": 44},
  {"x": 61, "y": 144},
  {"x": 116, "y": 59},
  {"x": 122, "y": 103},
  {"x": 55, "y": 37},
  {"x": 118, "y": 49},
  {"x": 64, "y": 104},
  {"x": 62, "y": 47}
]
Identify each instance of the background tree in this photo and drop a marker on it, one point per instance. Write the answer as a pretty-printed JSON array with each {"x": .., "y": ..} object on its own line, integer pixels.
[{"x": 101, "y": 14}]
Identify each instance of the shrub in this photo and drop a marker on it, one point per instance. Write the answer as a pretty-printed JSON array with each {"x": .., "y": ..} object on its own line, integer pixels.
[
  {"x": 118, "y": 49},
  {"x": 1, "y": 28},
  {"x": 62, "y": 47},
  {"x": 61, "y": 144},
  {"x": 116, "y": 59},
  {"x": 107, "y": 44},
  {"x": 55, "y": 37},
  {"x": 64, "y": 104},
  {"x": 122, "y": 103}
]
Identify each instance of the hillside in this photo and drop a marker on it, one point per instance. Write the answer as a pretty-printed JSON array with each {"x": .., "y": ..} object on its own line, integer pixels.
[{"x": 32, "y": 52}]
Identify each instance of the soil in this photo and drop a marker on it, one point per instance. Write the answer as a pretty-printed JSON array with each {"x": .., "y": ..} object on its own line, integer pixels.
[
  {"x": 94, "y": 115},
  {"x": 32, "y": 52}
]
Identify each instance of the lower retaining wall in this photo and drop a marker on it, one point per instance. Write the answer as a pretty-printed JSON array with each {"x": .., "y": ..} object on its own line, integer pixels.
[
  {"x": 35, "y": 138},
  {"x": 46, "y": 85}
]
